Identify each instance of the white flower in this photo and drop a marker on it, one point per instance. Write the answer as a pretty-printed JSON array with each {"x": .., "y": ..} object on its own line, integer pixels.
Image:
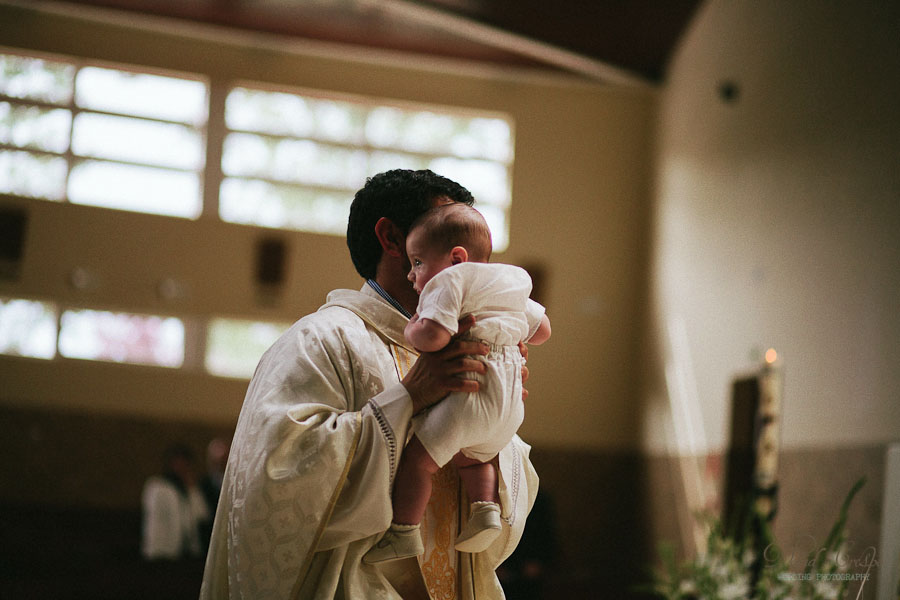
[
  {"x": 748, "y": 557},
  {"x": 720, "y": 570},
  {"x": 735, "y": 590},
  {"x": 828, "y": 590}
]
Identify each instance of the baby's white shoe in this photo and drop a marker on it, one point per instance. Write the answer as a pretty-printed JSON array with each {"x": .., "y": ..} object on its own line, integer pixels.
[
  {"x": 399, "y": 541},
  {"x": 482, "y": 528}
]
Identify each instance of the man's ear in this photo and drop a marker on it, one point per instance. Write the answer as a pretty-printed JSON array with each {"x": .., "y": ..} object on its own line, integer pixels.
[
  {"x": 392, "y": 240},
  {"x": 458, "y": 255}
]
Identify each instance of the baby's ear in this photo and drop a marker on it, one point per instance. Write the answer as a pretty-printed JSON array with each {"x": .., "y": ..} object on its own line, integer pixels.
[{"x": 458, "y": 255}]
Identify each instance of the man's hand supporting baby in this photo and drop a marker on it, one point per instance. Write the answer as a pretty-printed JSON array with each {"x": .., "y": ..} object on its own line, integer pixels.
[{"x": 436, "y": 374}]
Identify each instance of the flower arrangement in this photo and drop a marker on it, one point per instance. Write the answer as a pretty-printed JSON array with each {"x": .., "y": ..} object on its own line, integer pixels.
[{"x": 754, "y": 567}]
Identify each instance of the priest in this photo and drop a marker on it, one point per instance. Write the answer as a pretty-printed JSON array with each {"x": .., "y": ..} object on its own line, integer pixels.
[{"x": 307, "y": 489}]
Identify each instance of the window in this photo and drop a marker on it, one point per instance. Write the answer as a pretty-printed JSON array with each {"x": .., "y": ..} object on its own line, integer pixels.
[
  {"x": 130, "y": 139},
  {"x": 100, "y": 136},
  {"x": 294, "y": 161},
  {"x": 27, "y": 328},
  {"x": 122, "y": 337},
  {"x": 125, "y": 139},
  {"x": 234, "y": 346}
]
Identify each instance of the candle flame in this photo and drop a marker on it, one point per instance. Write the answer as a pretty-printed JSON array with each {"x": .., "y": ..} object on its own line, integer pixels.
[{"x": 771, "y": 355}]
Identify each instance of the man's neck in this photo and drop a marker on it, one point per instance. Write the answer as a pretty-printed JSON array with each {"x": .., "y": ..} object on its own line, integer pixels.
[
  {"x": 387, "y": 297},
  {"x": 392, "y": 279}
]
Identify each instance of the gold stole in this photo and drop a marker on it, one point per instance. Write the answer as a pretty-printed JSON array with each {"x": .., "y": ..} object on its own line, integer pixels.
[{"x": 439, "y": 563}]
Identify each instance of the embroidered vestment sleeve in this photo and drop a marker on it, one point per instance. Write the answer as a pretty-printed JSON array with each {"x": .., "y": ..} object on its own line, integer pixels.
[{"x": 310, "y": 456}]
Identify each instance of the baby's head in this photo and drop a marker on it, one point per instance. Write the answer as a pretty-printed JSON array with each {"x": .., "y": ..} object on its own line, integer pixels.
[{"x": 444, "y": 236}]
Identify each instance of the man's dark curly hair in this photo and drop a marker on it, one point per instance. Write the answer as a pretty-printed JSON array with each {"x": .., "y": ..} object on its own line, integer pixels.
[{"x": 401, "y": 196}]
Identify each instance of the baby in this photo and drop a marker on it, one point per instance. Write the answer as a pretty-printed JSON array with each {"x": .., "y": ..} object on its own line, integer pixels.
[{"x": 448, "y": 248}]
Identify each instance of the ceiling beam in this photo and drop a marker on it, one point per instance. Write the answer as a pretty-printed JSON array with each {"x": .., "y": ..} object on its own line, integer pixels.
[{"x": 510, "y": 42}]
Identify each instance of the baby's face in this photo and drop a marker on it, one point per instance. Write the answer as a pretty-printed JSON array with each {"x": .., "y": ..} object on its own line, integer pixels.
[{"x": 425, "y": 262}]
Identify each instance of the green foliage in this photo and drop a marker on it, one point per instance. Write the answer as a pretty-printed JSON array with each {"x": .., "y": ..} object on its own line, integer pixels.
[{"x": 755, "y": 567}]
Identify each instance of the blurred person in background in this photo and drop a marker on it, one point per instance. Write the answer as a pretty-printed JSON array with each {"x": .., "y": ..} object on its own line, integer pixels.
[{"x": 174, "y": 511}]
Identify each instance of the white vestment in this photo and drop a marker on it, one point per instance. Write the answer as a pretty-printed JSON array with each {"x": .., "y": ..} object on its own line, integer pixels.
[{"x": 307, "y": 489}]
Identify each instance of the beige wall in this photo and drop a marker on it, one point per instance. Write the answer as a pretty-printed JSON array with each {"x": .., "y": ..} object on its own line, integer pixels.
[
  {"x": 776, "y": 220},
  {"x": 579, "y": 189},
  {"x": 770, "y": 221}
]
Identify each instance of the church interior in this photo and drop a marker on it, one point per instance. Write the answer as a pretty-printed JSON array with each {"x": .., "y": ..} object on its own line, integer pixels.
[{"x": 706, "y": 192}]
